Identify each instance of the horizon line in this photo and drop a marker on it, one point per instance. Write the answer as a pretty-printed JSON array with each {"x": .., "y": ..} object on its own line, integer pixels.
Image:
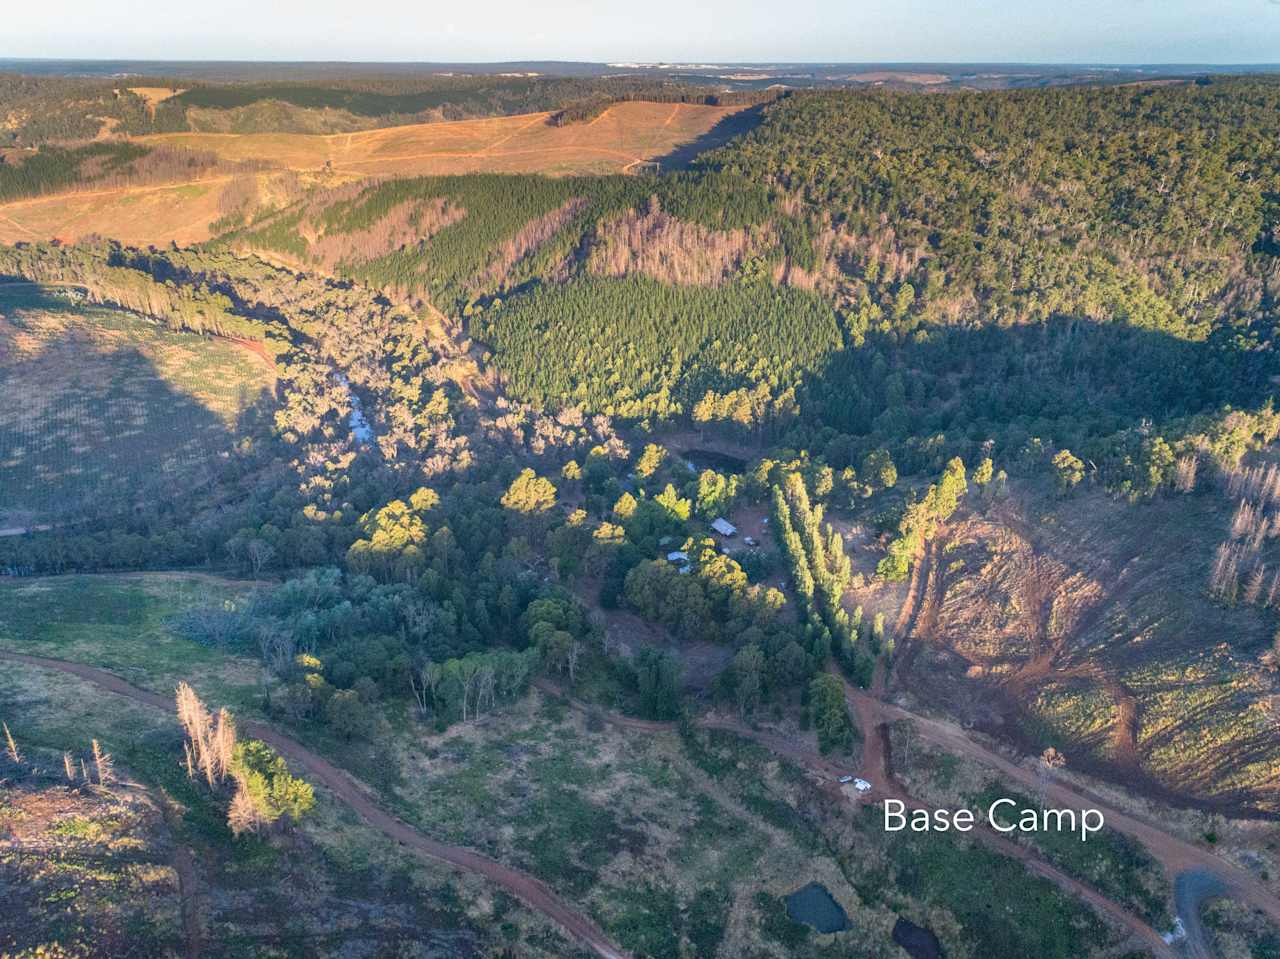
[{"x": 707, "y": 64}]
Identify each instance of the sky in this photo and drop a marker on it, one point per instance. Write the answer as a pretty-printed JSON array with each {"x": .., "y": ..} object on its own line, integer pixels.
[{"x": 1053, "y": 31}]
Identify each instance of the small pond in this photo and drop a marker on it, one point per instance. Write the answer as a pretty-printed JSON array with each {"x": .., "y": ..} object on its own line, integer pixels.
[
  {"x": 711, "y": 460},
  {"x": 816, "y": 907},
  {"x": 916, "y": 941}
]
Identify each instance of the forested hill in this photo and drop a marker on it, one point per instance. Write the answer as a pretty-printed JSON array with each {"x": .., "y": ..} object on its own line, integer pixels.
[
  {"x": 1156, "y": 206},
  {"x": 1064, "y": 264}
]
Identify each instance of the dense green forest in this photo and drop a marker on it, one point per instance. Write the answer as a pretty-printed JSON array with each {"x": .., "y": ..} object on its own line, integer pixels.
[
  {"x": 54, "y": 168},
  {"x": 59, "y": 110},
  {"x": 591, "y": 106},
  {"x": 1147, "y": 205},
  {"x": 459, "y": 97}
]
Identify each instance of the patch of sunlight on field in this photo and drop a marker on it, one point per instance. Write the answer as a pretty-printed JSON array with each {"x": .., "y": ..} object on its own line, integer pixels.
[
  {"x": 1198, "y": 711},
  {"x": 57, "y": 711},
  {"x": 1085, "y": 715}
]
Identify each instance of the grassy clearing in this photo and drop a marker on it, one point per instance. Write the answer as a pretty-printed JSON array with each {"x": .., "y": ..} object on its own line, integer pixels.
[
  {"x": 1110, "y": 862},
  {"x": 977, "y": 903},
  {"x": 1117, "y": 866},
  {"x": 88, "y": 395},
  {"x": 994, "y": 907},
  {"x": 137, "y": 214},
  {"x": 123, "y": 624}
]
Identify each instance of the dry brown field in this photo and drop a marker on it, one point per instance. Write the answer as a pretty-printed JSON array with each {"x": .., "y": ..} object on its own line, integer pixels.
[{"x": 615, "y": 142}]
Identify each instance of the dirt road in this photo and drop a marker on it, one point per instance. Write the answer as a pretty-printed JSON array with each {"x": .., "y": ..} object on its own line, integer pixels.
[
  {"x": 188, "y": 891},
  {"x": 533, "y": 892}
]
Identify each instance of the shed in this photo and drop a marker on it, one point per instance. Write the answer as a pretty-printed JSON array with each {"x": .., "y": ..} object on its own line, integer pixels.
[
  {"x": 724, "y": 527},
  {"x": 678, "y": 556}
]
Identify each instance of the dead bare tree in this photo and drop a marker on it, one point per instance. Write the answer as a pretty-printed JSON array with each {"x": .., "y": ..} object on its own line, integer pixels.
[
  {"x": 470, "y": 670},
  {"x": 1253, "y": 585},
  {"x": 11, "y": 747},
  {"x": 1224, "y": 578},
  {"x": 486, "y": 687},
  {"x": 260, "y": 552},
  {"x": 243, "y": 815},
  {"x": 1184, "y": 480},
  {"x": 277, "y": 645},
  {"x": 418, "y": 686},
  {"x": 1273, "y": 591},
  {"x": 103, "y": 765},
  {"x": 574, "y": 655},
  {"x": 211, "y": 741},
  {"x": 224, "y": 741},
  {"x": 68, "y": 767}
]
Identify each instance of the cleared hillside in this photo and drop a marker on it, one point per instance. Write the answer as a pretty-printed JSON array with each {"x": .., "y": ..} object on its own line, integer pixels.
[
  {"x": 1086, "y": 624},
  {"x": 180, "y": 212},
  {"x": 621, "y": 137},
  {"x": 94, "y": 400}
]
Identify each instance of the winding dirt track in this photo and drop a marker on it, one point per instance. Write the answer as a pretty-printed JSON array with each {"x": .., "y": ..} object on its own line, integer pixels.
[
  {"x": 188, "y": 891},
  {"x": 534, "y": 893}
]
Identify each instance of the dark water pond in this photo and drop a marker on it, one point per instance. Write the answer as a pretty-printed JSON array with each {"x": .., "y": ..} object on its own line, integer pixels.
[
  {"x": 711, "y": 460},
  {"x": 815, "y": 906},
  {"x": 918, "y": 942}
]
